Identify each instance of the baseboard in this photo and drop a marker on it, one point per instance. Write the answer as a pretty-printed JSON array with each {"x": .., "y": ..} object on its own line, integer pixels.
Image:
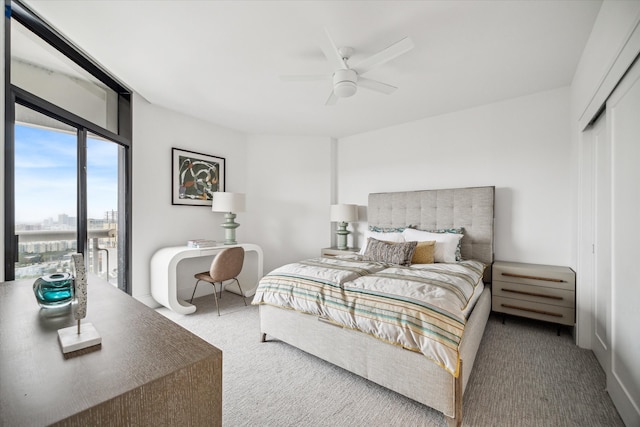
[
  {"x": 629, "y": 412},
  {"x": 147, "y": 300}
]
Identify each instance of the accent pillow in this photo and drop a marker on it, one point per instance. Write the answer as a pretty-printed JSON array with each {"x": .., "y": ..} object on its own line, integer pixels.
[
  {"x": 386, "y": 229},
  {"x": 395, "y": 237},
  {"x": 446, "y": 248},
  {"x": 459, "y": 230},
  {"x": 424, "y": 252},
  {"x": 394, "y": 253}
]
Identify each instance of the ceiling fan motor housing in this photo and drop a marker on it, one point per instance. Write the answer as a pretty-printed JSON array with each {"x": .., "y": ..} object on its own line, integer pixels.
[{"x": 344, "y": 83}]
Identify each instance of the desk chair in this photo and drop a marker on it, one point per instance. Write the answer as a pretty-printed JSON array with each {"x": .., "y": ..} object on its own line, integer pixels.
[{"x": 225, "y": 266}]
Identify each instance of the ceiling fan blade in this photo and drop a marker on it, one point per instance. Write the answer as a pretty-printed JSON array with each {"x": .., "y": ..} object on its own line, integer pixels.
[
  {"x": 385, "y": 55},
  {"x": 331, "y": 51},
  {"x": 376, "y": 85},
  {"x": 305, "y": 78},
  {"x": 332, "y": 99}
]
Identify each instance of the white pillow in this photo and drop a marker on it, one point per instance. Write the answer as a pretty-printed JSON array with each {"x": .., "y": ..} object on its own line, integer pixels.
[
  {"x": 395, "y": 237},
  {"x": 446, "y": 243}
]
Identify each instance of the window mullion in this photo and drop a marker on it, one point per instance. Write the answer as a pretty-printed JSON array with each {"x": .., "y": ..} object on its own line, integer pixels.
[
  {"x": 10, "y": 239},
  {"x": 82, "y": 192}
]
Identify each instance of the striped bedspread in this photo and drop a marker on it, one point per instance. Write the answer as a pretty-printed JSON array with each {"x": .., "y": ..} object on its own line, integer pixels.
[{"x": 421, "y": 308}]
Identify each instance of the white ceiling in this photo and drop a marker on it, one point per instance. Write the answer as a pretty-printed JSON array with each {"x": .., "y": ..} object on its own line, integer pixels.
[{"x": 221, "y": 60}]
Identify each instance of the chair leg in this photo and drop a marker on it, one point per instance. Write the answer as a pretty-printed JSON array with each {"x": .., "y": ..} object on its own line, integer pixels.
[
  {"x": 215, "y": 295},
  {"x": 241, "y": 293},
  {"x": 194, "y": 291}
]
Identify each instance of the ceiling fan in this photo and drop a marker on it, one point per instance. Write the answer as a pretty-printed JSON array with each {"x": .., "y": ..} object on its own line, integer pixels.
[{"x": 346, "y": 79}]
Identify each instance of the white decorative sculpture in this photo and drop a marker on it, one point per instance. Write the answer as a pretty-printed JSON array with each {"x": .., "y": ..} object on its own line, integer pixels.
[
  {"x": 80, "y": 302},
  {"x": 77, "y": 338}
]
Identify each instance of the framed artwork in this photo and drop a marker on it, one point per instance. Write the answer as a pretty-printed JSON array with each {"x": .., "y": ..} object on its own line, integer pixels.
[{"x": 195, "y": 177}]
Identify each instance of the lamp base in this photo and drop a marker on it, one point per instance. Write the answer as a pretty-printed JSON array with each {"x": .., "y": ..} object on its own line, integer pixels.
[
  {"x": 342, "y": 233},
  {"x": 230, "y": 228}
]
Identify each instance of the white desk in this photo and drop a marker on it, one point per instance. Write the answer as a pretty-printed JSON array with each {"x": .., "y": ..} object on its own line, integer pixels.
[{"x": 164, "y": 265}]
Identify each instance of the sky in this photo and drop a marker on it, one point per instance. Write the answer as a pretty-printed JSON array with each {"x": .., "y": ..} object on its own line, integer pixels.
[{"x": 45, "y": 175}]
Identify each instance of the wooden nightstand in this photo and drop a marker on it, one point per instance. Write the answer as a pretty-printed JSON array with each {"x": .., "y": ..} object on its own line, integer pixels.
[
  {"x": 335, "y": 251},
  {"x": 543, "y": 292}
]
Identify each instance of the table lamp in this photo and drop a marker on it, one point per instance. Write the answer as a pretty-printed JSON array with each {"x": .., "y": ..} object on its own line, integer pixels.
[
  {"x": 343, "y": 215},
  {"x": 230, "y": 203}
]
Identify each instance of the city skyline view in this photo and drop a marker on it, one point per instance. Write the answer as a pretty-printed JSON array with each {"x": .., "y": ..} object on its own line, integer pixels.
[{"x": 45, "y": 175}]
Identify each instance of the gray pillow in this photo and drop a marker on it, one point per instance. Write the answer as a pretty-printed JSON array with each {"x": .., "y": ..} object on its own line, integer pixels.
[{"x": 393, "y": 253}]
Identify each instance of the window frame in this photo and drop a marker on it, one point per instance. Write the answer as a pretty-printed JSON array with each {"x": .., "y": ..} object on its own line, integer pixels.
[{"x": 14, "y": 9}]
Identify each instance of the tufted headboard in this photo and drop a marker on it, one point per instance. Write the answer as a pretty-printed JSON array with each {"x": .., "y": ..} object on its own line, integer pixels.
[{"x": 471, "y": 208}]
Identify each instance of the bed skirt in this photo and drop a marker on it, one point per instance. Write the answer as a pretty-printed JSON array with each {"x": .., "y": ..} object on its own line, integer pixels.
[{"x": 406, "y": 372}]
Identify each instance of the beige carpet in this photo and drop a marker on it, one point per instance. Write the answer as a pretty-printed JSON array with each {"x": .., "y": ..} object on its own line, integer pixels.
[{"x": 525, "y": 375}]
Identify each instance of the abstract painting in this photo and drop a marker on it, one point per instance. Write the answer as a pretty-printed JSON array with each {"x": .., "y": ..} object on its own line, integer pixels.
[{"x": 195, "y": 177}]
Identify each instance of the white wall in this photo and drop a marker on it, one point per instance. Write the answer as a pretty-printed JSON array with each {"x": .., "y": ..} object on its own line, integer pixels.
[
  {"x": 287, "y": 181},
  {"x": 156, "y": 222},
  {"x": 521, "y": 146},
  {"x": 289, "y": 192}
]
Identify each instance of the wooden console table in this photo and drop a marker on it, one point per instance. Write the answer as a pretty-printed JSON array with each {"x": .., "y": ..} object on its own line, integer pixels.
[{"x": 148, "y": 371}]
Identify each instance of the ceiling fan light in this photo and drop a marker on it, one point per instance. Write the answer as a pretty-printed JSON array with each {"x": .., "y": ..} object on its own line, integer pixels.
[
  {"x": 345, "y": 89},
  {"x": 344, "y": 83}
]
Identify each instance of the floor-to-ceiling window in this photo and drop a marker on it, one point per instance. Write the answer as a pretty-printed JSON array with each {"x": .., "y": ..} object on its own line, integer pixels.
[
  {"x": 103, "y": 183},
  {"x": 67, "y": 148},
  {"x": 45, "y": 197}
]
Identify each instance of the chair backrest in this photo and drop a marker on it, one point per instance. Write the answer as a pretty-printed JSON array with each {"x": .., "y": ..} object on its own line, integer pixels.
[{"x": 227, "y": 264}]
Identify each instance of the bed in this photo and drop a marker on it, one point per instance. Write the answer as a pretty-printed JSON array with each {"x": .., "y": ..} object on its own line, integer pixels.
[{"x": 339, "y": 312}]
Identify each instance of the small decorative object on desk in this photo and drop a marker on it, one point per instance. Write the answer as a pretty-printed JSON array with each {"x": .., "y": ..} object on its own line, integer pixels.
[
  {"x": 80, "y": 303},
  {"x": 202, "y": 243},
  {"x": 54, "y": 290},
  {"x": 76, "y": 338}
]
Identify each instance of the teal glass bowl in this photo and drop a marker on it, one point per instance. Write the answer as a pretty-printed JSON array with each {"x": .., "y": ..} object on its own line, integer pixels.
[{"x": 54, "y": 290}]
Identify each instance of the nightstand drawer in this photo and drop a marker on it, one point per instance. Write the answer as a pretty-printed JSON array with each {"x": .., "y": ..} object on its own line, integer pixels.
[
  {"x": 535, "y": 274},
  {"x": 542, "y": 294},
  {"x": 534, "y": 310}
]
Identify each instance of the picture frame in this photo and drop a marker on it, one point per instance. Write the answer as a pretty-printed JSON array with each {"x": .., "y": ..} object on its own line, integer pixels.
[{"x": 195, "y": 177}]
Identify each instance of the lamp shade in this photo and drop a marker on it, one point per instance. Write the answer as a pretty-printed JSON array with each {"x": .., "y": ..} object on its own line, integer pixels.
[
  {"x": 227, "y": 202},
  {"x": 344, "y": 213}
]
